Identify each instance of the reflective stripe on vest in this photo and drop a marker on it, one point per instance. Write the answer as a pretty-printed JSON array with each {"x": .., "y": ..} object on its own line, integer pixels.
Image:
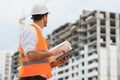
[
  {"x": 26, "y": 62},
  {"x": 35, "y": 62}
]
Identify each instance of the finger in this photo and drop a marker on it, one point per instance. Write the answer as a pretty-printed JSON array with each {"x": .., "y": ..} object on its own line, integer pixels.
[
  {"x": 63, "y": 51},
  {"x": 62, "y": 60}
]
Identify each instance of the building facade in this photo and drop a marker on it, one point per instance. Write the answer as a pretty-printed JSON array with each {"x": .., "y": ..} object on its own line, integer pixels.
[
  {"x": 5, "y": 65},
  {"x": 101, "y": 53},
  {"x": 14, "y": 66},
  {"x": 96, "y": 36},
  {"x": 66, "y": 32}
]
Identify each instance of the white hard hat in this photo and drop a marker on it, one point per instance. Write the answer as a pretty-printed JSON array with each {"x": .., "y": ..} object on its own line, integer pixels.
[{"x": 39, "y": 9}]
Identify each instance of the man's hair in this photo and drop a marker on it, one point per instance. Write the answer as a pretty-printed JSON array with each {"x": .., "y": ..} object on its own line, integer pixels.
[{"x": 38, "y": 16}]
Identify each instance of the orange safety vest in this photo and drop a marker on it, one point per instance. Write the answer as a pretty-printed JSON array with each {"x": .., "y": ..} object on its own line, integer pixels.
[{"x": 36, "y": 67}]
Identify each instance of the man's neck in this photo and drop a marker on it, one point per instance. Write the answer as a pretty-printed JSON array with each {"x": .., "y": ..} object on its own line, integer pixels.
[{"x": 39, "y": 23}]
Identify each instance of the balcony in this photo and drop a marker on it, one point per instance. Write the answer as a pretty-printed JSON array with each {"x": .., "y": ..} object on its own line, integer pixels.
[
  {"x": 91, "y": 27},
  {"x": 91, "y": 35},
  {"x": 94, "y": 56},
  {"x": 81, "y": 30},
  {"x": 93, "y": 73},
  {"x": 92, "y": 44},
  {"x": 92, "y": 65}
]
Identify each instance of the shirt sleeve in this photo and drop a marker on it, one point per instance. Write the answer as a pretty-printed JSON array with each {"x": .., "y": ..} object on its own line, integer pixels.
[{"x": 29, "y": 39}]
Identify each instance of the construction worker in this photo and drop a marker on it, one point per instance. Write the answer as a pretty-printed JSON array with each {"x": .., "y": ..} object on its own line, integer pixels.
[{"x": 34, "y": 48}]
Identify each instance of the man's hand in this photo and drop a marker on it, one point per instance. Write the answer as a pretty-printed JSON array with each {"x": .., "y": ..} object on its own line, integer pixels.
[{"x": 60, "y": 62}]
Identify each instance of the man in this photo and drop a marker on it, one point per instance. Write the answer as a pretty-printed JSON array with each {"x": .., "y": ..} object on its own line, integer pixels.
[{"x": 34, "y": 52}]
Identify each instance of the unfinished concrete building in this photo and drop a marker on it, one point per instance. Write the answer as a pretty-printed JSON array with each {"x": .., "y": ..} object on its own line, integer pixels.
[
  {"x": 66, "y": 32},
  {"x": 96, "y": 35},
  {"x": 101, "y": 53}
]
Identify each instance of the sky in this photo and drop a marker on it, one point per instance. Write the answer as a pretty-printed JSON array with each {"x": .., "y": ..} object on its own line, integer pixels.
[{"x": 62, "y": 11}]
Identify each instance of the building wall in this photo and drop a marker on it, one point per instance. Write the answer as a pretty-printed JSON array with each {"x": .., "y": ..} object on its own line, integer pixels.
[
  {"x": 98, "y": 42},
  {"x": 5, "y": 67},
  {"x": 2, "y": 61},
  {"x": 14, "y": 66},
  {"x": 59, "y": 35}
]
